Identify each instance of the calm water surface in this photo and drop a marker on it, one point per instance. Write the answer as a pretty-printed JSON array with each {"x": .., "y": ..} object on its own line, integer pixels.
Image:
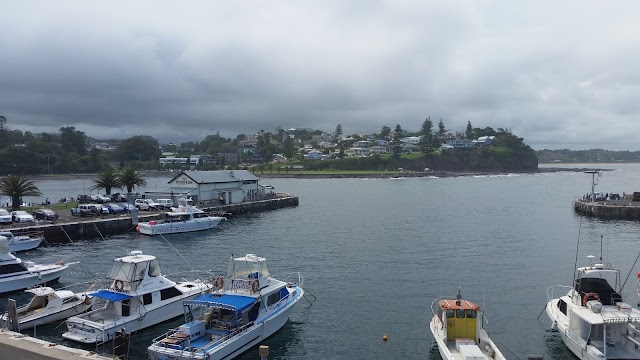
[{"x": 377, "y": 252}]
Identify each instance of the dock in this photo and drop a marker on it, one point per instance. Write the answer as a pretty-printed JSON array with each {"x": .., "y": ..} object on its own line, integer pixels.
[
  {"x": 81, "y": 228},
  {"x": 20, "y": 346},
  {"x": 623, "y": 209}
]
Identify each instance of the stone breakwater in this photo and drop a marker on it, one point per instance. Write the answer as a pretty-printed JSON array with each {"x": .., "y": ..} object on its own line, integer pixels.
[{"x": 625, "y": 209}]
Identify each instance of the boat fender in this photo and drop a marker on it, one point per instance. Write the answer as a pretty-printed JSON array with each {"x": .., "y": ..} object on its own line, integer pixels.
[
  {"x": 88, "y": 300},
  {"x": 591, "y": 295},
  {"x": 255, "y": 286},
  {"x": 219, "y": 283},
  {"x": 118, "y": 285}
]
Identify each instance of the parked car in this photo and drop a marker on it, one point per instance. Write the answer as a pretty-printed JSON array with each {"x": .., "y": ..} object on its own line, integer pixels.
[
  {"x": 90, "y": 210},
  {"x": 5, "y": 217},
  {"x": 117, "y": 197},
  {"x": 114, "y": 208},
  {"x": 127, "y": 207},
  {"x": 21, "y": 216},
  {"x": 164, "y": 203},
  {"x": 45, "y": 214},
  {"x": 84, "y": 199},
  {"x": 146, "y": 204},
  {"x": 636, "y": 196},
  {"x": 100, "y": 199}
]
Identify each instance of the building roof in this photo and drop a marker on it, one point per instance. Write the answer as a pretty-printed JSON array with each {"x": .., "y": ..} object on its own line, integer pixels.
[{"x": 218, "y": 176}]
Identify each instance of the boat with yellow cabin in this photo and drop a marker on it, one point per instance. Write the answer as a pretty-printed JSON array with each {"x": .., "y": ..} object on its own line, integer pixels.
[{"x": 458, "y": 328}]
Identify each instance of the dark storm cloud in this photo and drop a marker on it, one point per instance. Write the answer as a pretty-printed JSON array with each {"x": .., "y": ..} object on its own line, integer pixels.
[{"x": 551, "y": 73}]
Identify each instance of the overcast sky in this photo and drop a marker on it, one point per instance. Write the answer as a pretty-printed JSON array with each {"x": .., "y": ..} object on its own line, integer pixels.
[{"x": 559, "y": 74}]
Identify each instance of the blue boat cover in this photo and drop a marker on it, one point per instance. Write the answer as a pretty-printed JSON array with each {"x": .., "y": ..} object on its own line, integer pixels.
[
  {"x": 236, "y": 303},
  {"x": 110, "y": 295}
]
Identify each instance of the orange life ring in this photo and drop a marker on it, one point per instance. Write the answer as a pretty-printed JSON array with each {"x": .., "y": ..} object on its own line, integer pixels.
[
  {"x": 592, "y": 295},
  {"x": 118, "y": 285},
  {"x": 255, "y": 286},
  {"x": 219, "y": 283}
]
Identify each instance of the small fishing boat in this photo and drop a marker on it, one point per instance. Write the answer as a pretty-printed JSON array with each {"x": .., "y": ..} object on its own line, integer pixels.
[
  {"x": 139, "y": 297},
  {"x": 48, "y": 305},
  {"x": 458, "y": 327},
  {"x": 22, "y": 242},
  {"x": 247, "y": 307},
  {"x": 184, "y": 218},
  {"x": 592, "y": 319},
  {"x": 16, "y": 274}
]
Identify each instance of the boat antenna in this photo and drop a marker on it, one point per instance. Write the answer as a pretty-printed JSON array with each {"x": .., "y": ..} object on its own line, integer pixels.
[
  {"x": 601, "y": 249},
  {"x": 575, "y": 266},
  {"x": 632, "y": 266}
]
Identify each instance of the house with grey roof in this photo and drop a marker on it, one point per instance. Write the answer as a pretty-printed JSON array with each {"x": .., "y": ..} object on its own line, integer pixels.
[{"x": 214, "y": 187}]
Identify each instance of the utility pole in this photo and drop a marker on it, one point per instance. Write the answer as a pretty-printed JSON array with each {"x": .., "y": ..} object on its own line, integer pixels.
[{"x": 593, "y": 183}]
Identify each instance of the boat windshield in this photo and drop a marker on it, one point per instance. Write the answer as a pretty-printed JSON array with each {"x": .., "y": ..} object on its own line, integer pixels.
[
  {"x": 250, "y": 267},
  {"x": 128, "y": 272}
]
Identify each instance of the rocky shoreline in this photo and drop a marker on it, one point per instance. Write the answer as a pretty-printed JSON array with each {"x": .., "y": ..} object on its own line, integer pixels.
[{"x": 439, "y": 174}]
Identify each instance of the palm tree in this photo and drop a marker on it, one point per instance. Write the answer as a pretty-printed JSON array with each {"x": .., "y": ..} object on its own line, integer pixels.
[
  {"x": 15, "y": 186},
  {"x": 107, "y": 180},
  {"x": 130, "y": 178}
]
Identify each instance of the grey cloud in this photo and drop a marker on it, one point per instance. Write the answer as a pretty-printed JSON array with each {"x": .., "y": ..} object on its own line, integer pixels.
[{"x": 551, "y": 73}]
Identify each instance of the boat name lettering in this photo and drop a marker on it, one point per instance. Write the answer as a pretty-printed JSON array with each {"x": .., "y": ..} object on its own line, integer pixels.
[{"x": 240, "y": 285}]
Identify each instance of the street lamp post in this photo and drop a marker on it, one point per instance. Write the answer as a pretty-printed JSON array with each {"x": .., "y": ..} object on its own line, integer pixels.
[{"x": 593, "y": 183}]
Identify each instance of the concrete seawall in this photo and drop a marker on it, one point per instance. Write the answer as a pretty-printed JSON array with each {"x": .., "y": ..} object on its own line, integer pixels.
[
  {"x": 623, "y": 210},
  {"x": 91, "y": 228}
]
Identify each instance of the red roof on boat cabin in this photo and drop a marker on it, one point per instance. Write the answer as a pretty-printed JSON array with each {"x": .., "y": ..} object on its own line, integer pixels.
[{"x": 450, "y": 304}]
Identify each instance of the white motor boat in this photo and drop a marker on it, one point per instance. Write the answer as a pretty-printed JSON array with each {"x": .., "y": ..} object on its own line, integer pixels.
[
  {"x": 184, "y": 218},
  {"x": 248, "y": 307},
  {"x": 16, "y": 274},
  {"x": 592, "y": 319},
  {"x": 458, "y": 327},
  {"x": 139, "y": 297},
  {"x": 48, "y": 305},
  {"x": 22, "y": 242}
]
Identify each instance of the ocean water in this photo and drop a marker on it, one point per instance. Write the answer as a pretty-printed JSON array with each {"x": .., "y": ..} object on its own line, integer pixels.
[{"x": 376, "y": 253}]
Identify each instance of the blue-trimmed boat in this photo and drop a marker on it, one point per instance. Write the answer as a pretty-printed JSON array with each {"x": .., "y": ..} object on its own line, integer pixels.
[
  {"x": 139, "y": 297},
  {"x": 247, "y": 307}
]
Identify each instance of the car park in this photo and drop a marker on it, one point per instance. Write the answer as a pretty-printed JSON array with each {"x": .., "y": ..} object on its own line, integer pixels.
[
  {"x": 21, "y": 216},
  {"x": 5, "y": 217},
  {"x": 45, "y": 214}
]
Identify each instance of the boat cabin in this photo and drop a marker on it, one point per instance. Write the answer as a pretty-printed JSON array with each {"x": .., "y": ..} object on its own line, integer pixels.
[
  {"x": 9, "y": 264},
  {"x": 248, "y": 273},
  {"x": 129, "y": 272},
  {"x": 460, "y": 318}
]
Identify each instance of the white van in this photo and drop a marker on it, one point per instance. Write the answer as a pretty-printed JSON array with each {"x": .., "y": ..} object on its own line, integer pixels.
[{"x": 164, "y": 203}]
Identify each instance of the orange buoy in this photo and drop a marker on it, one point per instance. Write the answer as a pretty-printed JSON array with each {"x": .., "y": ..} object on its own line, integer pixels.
[{"x": 385, "y": 337}]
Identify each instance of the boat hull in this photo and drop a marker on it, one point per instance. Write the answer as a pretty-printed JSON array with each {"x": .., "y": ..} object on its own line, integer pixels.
[
  {"x": 91, "y": 332},
  {"x": 451, "y": 354},
  {"x": 24, "y": 245},
  {"x": 178, "y": 227},
  {"x": 30, "y": 279},
  {"x": 42, "y": 318},
  {"x": 237, "y": 344}
]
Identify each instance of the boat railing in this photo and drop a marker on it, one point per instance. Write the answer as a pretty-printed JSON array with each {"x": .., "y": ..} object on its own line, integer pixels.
[
  {"x": 215, "y": 341},
  {"x": 30, "y": 233},
  {"x": 287, "y": 278},
  {"x": 551, "y": 290}
]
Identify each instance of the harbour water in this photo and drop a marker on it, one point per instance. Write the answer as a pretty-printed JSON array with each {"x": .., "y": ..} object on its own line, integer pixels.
[{"x": 377, "y": 252}]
